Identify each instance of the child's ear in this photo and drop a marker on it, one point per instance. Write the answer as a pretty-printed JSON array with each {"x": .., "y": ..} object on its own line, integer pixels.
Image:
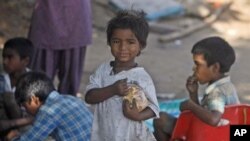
[
  {"x": 26, "y": 61},
  {"x": 138, "y": 54},
  {"x": 141, "y": 48},
  {"x": 35, "y": 99},
  {"x": 216, "y": 67}
]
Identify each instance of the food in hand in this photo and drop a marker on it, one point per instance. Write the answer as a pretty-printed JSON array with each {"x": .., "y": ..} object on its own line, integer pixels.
[{"x": 136, "y": 92}]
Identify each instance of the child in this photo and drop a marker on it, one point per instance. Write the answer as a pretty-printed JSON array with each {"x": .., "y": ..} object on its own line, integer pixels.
[
  {"x": 64, "y": 117},
  {"x": 213, "y": 58},
  {"x": 115, "y": 119},
  {"x": 16, "y": 57}
]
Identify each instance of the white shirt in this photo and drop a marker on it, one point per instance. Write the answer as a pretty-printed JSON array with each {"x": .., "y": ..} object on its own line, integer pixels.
[
  {"x": 109, "y": 122},
  {"x": 6, "y": 82}
]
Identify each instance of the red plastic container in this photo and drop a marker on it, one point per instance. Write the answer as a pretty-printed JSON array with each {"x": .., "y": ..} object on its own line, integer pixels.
[{"x": 190, "y": 128}]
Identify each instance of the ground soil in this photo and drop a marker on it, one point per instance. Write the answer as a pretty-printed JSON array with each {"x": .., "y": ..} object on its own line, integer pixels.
[{"x": 168, "y": 63}]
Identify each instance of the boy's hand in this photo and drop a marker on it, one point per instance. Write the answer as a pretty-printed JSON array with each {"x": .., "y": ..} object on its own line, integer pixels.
[
  {"x": 185, "y": 105},
  {"x": 12, "y": 134},
  {"x": 4, "y": 125},
  {"x": 121, "y": 87},
  {"x": 192, "y": 85},
  {"x": 130, "y": 110}
]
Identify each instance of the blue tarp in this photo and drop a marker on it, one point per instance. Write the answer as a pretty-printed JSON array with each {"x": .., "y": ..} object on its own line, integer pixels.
[{"x": 155, "y": 9}]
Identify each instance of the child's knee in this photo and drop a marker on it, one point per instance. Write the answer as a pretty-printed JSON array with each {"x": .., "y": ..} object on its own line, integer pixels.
[
  {"x": 163, "y": 115},
  {"x": 166, "y": 123},
  {"x": 160, "y": 122},
  {"x": 156, "y": 123}
]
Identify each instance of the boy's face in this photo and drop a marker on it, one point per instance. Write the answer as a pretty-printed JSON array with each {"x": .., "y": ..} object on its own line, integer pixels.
[
  {"x": 202, "y": 72},
  {"x": 124, "y": 45},
  {"x": 32, "y": 105},
  {"x": 12, "y": 61}
]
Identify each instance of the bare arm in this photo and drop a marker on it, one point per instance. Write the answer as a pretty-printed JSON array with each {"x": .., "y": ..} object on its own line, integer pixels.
[
  {"x": 12, "y": 108},
  {"x": 98, "y": 95},
  {"x": 210, "y": 117},
  {"x": 14, "y": 123}
]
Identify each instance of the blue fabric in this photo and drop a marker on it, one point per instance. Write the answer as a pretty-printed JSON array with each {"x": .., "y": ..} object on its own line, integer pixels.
[
  {"x": 2, "y": 84},
  {"x": 167, "y": 12},
  {"x": 155, "y": 9},
  {"x": 64, "y": 117}
]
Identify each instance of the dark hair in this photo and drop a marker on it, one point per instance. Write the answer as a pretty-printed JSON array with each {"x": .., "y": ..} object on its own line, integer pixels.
[
  {"x": 22, "y": 46},
  {"x": 216, "y": 50},
  {"x": 33, "y": 83},
  {"x": 130, "y": 19}
]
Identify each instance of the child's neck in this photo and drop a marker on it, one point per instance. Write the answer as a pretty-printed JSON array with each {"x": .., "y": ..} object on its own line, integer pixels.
[
  {"x": 14, "y": 77},
  {"x": 217, "y": 77},
  {"x": 118, "y": 67}
]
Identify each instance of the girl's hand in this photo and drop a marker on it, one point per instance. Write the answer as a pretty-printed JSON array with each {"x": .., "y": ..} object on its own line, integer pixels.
[
  {"x": 130, "y": 110},
  {"x": 192, "y": 85},
  {"x": 120, "y": 87}
]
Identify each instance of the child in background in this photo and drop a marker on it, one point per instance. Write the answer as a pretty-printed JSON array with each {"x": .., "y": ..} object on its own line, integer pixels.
[
  {"x": 116, "y": 119},
  {"x": 213, "y": 58},
  {"x": 16, "y": 57},
  {"x": 64, "y": 117}
]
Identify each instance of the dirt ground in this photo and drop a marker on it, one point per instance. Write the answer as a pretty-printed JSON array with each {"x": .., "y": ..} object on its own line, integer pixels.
[{"x": 168, "y": 63}]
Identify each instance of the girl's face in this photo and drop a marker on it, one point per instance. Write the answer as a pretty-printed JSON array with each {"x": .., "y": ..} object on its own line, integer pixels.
[
  {"x": 202, "y": 72},
  {"x": 124, "y": 46},
  {"x": 12, "y": 61}
]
